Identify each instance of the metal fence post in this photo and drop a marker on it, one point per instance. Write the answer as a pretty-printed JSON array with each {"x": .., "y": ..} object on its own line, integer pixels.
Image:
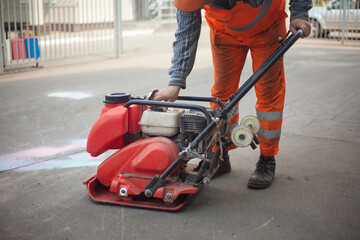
[
  {"x": 343, "y": 22},
  {"x": 2, "y": 43},
  {"x": 1, "y": 53},
  {"x": 118, "y": 28}
]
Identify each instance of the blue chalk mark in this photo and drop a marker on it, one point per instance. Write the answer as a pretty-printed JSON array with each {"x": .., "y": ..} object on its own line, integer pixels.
[
  {"x": 82, "y": 159},
  {"x": 69, "y": 156}
]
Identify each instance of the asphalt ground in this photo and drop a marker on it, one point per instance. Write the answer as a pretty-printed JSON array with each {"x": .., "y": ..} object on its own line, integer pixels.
[{"x": 46, "y": 115}]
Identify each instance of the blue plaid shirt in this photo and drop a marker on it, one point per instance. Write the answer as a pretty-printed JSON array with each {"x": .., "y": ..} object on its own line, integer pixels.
[{"x": 188, "y": 33}]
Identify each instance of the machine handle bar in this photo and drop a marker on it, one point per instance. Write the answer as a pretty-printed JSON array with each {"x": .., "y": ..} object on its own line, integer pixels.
[{"x": 171, "y": 104}]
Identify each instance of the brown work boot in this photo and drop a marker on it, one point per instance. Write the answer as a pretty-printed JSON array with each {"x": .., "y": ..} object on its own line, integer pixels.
[
  {"x": 264, "y": 174},
  {"x": 225, "y": 166}
]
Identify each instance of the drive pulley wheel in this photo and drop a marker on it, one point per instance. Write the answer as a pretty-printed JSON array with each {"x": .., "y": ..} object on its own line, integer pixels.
[
  {"x": 251, "y": 122},
  {"x": 242, "y": 136}
]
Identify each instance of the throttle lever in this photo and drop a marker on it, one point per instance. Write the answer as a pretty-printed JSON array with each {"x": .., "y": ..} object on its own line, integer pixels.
[{"x": 282, "y": 40}]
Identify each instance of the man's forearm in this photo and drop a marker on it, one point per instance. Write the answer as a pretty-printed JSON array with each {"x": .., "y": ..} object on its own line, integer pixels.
[{"x": 185, "y": 46}]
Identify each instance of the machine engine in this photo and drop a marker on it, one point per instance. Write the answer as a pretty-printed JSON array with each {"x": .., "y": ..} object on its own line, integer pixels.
[{"x": 182, "y": 127}]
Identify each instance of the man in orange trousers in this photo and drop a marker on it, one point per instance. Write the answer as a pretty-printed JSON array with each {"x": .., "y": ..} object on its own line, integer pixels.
[{"x": 237, "y": 26}]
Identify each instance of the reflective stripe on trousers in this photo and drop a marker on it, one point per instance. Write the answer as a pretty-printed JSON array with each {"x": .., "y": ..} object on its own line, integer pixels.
[{"x": 270, "y": 130}]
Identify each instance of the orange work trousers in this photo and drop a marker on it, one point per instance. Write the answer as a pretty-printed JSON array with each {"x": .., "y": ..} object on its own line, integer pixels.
[{"x": 229, "y": 55}]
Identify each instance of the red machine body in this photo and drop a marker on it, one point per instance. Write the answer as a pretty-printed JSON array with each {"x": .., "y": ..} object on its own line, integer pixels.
[
  {"x": 121, "y": 179},
  {"x": 109, "y": 130}
]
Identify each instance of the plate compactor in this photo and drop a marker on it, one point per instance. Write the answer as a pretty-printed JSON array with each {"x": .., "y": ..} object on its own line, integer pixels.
[{"x": 153, "y": 165}]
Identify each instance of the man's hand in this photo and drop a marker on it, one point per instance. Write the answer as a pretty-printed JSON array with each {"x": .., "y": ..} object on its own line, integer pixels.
[
  {"x": 297, "y": 24},
  {"x": 168, "y": 94}
]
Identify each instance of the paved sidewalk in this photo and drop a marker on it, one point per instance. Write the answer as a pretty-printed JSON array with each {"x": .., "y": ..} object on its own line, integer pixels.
[{"x": 46, "y": 115}]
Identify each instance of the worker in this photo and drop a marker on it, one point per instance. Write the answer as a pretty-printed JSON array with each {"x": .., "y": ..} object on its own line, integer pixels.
[{"x": 237, "y": 26}]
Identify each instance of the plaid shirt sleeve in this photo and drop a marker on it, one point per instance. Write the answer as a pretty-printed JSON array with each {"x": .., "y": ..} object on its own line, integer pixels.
[
  {"x": 185, "y": 46},
  {"x": 299, "y": 9}
]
